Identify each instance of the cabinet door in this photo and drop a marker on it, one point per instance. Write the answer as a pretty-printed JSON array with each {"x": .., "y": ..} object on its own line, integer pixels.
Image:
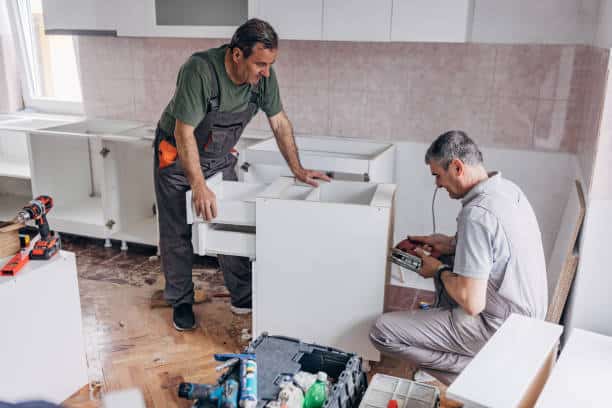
[
  {"x": 80, "y": 15},
  {"x": 430, "y": 20},
  {"x": 358, "y": 20},
  {"x": 183, "y": 18},
  {"x": 544, "y": 21},
  {"x": 293, "y": 19}
]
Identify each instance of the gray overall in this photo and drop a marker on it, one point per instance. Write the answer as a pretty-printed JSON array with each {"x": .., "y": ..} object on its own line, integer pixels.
[{"x": 215, "y": 135}]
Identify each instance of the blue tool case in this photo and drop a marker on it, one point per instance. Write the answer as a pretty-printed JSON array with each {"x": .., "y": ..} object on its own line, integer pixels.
[{"x": 278, "y": 357}]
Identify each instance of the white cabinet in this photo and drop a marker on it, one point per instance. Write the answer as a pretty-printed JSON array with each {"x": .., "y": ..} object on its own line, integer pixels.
[
  {"x": 81, "y": 16},
  {"x": 184, "y": 18},
  {"x": 544, "y": 21},
  {"x": 15, "y": 186},
  {"x": 62, "y": 164},
  {"x": 431, "y": 20},
  {"x": 293, "y": 19},
  {"x": 358, "y": 20},
  {"x": 130, "y": 209},
  {"x": 42, "y": 332},
  {"x": 313, "y": 250},
  {"x": 347, "y": 159}
]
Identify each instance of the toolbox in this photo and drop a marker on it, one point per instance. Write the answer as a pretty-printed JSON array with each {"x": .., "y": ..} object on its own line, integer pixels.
[{"x": 278, "y": 357}]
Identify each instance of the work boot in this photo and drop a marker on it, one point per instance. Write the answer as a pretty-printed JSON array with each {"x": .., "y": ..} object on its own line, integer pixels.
[{"x": 183, "y": 317}]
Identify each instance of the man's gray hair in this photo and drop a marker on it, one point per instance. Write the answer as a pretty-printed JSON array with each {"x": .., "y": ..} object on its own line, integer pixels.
[{"x": 454, "y": 144}]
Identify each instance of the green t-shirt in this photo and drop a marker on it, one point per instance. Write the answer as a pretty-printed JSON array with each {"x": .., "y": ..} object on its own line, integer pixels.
[{"x": 194, "y": 89}]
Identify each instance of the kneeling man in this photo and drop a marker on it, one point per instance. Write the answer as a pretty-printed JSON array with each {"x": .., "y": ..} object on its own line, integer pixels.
[{"x": 498, "y": 267}]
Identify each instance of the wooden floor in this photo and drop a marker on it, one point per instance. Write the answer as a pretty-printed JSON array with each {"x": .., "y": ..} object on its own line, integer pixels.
[{"x": 129, "y": 344}]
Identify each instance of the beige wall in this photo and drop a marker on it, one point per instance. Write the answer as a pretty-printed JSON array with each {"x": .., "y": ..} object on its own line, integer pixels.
[{"x": 542, "y": 97}]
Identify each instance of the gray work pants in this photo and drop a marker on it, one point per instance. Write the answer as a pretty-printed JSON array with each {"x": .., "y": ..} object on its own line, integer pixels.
[
  {"x": 175, "y": 244},
  {"x": 442, "y": 340}
]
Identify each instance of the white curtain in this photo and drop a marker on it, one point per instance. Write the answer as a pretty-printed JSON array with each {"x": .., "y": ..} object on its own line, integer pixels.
[{"x": 10, "y": 87}]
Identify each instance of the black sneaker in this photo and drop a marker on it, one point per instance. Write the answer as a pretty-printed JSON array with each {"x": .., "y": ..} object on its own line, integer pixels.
[{"x": 183, "y": 317}]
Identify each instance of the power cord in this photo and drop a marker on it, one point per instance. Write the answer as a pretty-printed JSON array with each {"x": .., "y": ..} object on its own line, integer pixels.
[{"x": 433, "y": 210}]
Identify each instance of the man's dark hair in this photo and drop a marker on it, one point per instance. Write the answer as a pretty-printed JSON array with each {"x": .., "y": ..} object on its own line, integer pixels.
[
  {"x": 454, "y": 144},
  {"x": 254, "y": 31}
]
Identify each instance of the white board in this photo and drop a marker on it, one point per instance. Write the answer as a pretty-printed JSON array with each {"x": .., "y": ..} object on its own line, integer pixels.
[
  {"x": 41, "y": 346},
  {"x": 582, "y": 374},
  {"x": 502, "y": 373}
]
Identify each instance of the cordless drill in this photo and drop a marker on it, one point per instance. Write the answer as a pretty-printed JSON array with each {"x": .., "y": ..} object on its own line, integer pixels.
[
  {"x": 37, "y": 209},
  {"x": 225, "y": 395}
]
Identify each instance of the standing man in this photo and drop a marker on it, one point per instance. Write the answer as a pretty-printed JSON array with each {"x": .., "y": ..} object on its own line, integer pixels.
[
  {"x": 217, "y": 93},
  {"x": 498, "y": 268}
]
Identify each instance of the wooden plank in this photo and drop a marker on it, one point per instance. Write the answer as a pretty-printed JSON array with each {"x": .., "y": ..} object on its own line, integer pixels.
[
  {"x": 518, "y": 354},
  {"x": 582, "y": 372},
  {"x": 562, "y": 264}
]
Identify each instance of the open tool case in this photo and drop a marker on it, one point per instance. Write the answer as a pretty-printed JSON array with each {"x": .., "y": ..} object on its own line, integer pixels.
[{"x": 281, "y": 356}]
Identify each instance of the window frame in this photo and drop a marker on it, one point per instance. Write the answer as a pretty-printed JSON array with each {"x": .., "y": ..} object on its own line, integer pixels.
[{"x": 27, "y": 72}]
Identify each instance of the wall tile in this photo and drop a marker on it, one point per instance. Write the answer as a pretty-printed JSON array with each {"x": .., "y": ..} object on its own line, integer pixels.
[
  {"x": 558, "y": 125},
  {"x": 558, "y": 66},
  {"x": 512, "y": 123},
  {"x": 151, "y": 98},
  {"x": 383, "y": 114},
  {"x": 521, "y": 96},
  {"x": 308, "y": 109},
  {"x": 304, "y": 63},
  {"x": 349, "y": 65},
  {"x": 347, "y": 111},
  {"x": 519, "y": 71}
]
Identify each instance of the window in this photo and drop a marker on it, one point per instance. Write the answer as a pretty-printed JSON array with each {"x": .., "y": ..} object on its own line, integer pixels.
[{"x": 51, "y": 77}]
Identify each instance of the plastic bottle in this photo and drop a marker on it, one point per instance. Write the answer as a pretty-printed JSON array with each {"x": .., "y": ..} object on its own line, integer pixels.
[
  {"x": 317, "y": 393},
  {"x": 291, "y": 396},
  {"x": 304, "y": 380}
]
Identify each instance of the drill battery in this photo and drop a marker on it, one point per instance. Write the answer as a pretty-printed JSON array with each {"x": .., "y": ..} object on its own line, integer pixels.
[{"x": 45, "y": 249}]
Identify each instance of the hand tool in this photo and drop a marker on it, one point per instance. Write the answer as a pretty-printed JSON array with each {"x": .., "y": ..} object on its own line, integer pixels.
[
  {"x": 248, "y": 377},
  {"x": 37, "y": 209},
  {"x": 44, "y": 248},
  {"x": 225, "y": 395},
  {"x": 406, "y": 260}
]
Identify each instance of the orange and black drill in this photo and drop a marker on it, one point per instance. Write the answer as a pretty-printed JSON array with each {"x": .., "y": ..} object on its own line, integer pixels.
[{"x": 37, "y": 209}]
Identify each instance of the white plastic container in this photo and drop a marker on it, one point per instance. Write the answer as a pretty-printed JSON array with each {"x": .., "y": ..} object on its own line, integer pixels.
[{"x": 408, "y": 394}]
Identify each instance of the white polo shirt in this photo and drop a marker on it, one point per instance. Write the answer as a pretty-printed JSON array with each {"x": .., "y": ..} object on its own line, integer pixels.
[{"x": 498, "y": 238}]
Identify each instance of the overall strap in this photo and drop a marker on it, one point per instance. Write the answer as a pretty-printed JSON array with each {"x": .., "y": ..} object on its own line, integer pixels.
[{"x": 214, "y": 102}]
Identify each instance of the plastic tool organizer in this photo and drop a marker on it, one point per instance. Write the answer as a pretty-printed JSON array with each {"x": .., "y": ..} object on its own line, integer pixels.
[
  {"x": 278, "y": 357},
  {"x": 408, "y": 394}
]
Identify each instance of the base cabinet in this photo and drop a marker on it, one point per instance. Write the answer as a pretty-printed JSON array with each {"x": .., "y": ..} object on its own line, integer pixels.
[{"x": 313, "y": 250}]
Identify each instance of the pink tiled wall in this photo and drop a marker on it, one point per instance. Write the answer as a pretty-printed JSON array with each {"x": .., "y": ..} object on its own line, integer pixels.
[{"x": 540, "y": 97}]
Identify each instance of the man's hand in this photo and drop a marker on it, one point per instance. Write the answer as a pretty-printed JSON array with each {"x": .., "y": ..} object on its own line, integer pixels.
[
  {"x": 440, "y": 243},
  {"x": 309, "y": 176},
  {"x": 204, "y": 201},
  {"x": 430, "y": 264}
]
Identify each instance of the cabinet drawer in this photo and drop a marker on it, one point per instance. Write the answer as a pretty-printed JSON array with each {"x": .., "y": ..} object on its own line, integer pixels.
[
  {"x": 346, "y": 156},
  {"x": 215, "y": 239},
  {"x": 235, "y": 203}
]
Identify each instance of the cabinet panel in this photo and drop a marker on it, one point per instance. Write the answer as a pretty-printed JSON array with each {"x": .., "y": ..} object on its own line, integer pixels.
[
  {"x": 545, "y": 21},
  {"x": 138, "y": 18},
  {"x": 80, "y": 15},
  {"x": 430, "y": 20},
  {"x": 358, "y": 20},
  {"x": 293, "y": 19}
]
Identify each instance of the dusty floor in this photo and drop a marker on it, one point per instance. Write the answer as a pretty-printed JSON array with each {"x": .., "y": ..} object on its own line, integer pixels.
[{"x": 130, "y": 344}]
